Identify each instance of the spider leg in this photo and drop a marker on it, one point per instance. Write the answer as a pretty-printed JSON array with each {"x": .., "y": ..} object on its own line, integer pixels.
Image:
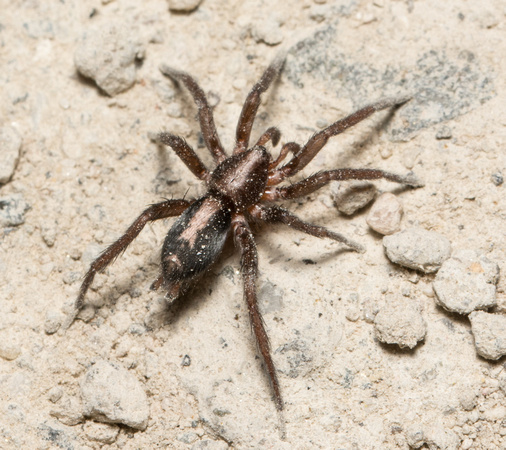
[
  {"x": 252, "y": 103},
  {"x": 186, "y": 154},
  {"x": 320, "y": 179},
  {"x": 205, "y": 113},
  {"x": 244, "y": 239},
  {"x": 318, "y": 140},
  {"x": 275, "y": 214},
  {"x": 168, "y": 208}
]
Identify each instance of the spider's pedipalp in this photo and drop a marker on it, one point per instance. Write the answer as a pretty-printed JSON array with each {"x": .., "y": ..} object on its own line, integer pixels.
[
  {"x": 289, "y": 147},
  {"x": 252, "y": 103},
  {"x": 271, "y": 134},
  {"x": 205, "y": 112}
]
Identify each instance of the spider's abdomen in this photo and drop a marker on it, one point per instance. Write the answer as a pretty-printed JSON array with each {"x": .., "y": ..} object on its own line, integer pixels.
[
  {"x": 242, "y": 178},
  {"x": 195, "y": 240}
]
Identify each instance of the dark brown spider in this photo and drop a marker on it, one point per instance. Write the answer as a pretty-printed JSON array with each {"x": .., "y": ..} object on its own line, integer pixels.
[{"x": 240, "y": 189}]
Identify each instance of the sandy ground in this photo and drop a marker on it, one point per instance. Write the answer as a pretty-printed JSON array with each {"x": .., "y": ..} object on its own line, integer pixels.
[{"x": 87, "y": 168}]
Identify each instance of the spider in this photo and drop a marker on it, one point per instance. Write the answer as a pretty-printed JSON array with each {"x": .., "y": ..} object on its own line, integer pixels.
[{"x": 240, "y": 190}]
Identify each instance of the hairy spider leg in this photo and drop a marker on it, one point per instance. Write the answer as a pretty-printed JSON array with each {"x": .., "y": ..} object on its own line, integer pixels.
[
  {"x": 318, "y": 140},
  {"x": 205, "y": 112},
  {"x": 320, "y": 179},
  {"x": 250, "y": 107},
  {"x": 186, "y": 154},
  {"x": 276, "y": 214},
  {"x": 244, "y": 240},
  {"x": 162, "y": 210}
]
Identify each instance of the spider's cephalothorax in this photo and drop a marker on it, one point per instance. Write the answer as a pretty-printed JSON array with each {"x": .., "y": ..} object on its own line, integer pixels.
[{"x": 242, "y": 187}]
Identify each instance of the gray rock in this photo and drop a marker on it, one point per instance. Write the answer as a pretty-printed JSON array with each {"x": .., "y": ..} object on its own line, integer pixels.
[
  {"x": 107, "y": 54},
  {"x": 466, "y": 282},
  {"x": 385, "y": 215},
  {"x": 12, "y": 210},
  {"x": 111, "y": 394},
  {"x": 354, "y": 197},
  {"x": 10, "y": 146},
  {"x": 497, "y": 178},
  {"x": 418, "y": 249},
  {"x": 444, "y": 132},
  {"x": 489, "y": 332},
  {"x": 431, "y": 78},
  {"x": 400, "y": 322}
]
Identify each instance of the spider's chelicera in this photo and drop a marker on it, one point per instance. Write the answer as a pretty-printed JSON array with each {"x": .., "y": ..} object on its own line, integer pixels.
[{"x": 241, "y": 189}]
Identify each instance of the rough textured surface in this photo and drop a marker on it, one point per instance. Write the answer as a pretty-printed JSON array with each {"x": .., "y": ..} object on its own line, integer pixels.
[
  {"x": 112, "y": 394},
  {"x": 418, "y": 249},
  {"x": 87, "y": 167},
  {"x": 466, "y": 282},
  {"x": 385, "y": 215},
  {"x": 107, "y": 54},
  {"x": 399, "y": 321},
  {"x": 489, "y": 331}
]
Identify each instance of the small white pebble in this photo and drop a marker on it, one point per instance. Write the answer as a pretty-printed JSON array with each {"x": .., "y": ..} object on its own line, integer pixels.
[
  {"x": 268, "y": 31},
  {"x": 9, "y": 346},
  {"x": 466, "y": 444},
  {"x": 489, "y": 331},
  {"x": 352, "y": 308},
  {"x": 385, "y": 214},
  {"x": 409, "y": 157},
  {"x": 400, "y": 321},
  {"x": 174, "y": 110},
  {"x": 468, "y": 399},
  {"x": 54, "y": 394},
  {"x": 239, "y": 84},
  {"x": 386, "y": 152},
  {"x": 184, "y": 5}
]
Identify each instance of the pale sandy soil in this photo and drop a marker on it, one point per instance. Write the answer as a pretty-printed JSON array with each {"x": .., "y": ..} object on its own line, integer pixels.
[{"x": 87, "y": 168}]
